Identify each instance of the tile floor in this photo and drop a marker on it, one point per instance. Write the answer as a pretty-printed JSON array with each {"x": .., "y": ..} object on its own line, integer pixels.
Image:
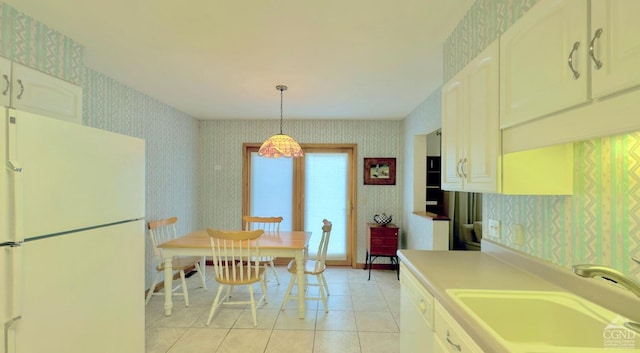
[{"x": 363, "y": 317}]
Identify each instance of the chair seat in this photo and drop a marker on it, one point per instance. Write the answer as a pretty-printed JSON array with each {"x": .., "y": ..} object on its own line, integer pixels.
[
  {"x": 310, "y": 267},
  {"x": 237, "y": 281},
  {"x": 181, "y": 263}
]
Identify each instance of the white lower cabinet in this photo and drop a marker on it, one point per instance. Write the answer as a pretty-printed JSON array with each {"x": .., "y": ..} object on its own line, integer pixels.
[
  {"x": 425, "y": 326},
  {"x": 416, "y": 315},
  {"x": 449, "y": 336}
]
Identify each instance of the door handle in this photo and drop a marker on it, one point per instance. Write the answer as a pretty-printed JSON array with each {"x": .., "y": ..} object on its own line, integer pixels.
[
  {"x": 7, "y": 329},
  {"x": 19, "y": 96},
  {"x": 576, "y": 74},
  {"x": 462, "y": 167},
  {"x": 8, "y": 85},
  {"x": 597, "y": 63}
]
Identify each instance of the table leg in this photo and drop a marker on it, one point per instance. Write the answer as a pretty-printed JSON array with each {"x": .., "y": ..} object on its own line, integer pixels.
[
  {"x": 168, "y": 285},
  {"x": 301, "y": 283}
]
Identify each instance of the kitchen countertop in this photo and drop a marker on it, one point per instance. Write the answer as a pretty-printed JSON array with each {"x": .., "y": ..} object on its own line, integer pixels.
[{"x": 439, "y": 271}]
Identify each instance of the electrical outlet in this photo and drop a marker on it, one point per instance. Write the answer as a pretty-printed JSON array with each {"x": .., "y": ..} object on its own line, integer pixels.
[
  {"x": 493, "y": 227},
  {"x": 518, "y": 234}
]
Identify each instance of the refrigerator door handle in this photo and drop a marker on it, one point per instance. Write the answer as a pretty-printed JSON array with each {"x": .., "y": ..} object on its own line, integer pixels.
[
  {"x": 15, "y": 295},
  {"x": 16, "y": 280},
  {"x": 14, "y": 165},
  {"x": 7, "y": 329}
]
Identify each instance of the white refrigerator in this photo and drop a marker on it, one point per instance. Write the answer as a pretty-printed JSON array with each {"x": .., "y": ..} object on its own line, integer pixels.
[{"x": 72, "y": 205}]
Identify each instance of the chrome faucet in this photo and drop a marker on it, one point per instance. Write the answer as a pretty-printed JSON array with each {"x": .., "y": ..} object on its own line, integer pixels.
[{"x": 591, "y": 271}]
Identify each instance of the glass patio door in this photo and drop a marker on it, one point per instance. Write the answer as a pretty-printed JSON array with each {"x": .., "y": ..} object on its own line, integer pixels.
[{"x": 305, "y": 191}]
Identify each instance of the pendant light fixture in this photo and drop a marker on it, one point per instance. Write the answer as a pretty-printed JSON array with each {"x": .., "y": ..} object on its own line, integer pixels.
[{"x": 280, "y": 145}]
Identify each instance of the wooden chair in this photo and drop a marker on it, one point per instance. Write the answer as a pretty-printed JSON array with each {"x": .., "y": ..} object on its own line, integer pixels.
[
  {"x": 313, "y": 268},
  {"x": 235, "y": 262},
  {"x": 269, "y": 225},
  {"x": 162, "y": 231}
]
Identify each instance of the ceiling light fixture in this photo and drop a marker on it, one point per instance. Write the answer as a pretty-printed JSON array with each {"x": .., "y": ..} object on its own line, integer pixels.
[{"x": 280, "y": 145}]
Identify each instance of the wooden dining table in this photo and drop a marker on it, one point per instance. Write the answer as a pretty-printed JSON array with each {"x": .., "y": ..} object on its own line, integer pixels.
[{"x": 277, "y": 244}]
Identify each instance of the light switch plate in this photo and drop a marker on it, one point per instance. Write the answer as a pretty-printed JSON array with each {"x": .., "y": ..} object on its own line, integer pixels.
[{"x": 494, "y": 228}]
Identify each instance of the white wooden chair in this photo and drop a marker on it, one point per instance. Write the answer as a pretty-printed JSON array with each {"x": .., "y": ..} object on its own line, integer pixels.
[
  {"x": 162, "y": 231},
  {"x": 235, "y": 262},
  {"x": 313, "y": 268},
  {"x": 269, "y": 225}
]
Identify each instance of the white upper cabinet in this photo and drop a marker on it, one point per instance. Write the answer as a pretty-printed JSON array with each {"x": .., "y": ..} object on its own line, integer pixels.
[
  {"x": 37, "y": 92},
  {"x": 554, "y": 91},
  {"x": 5, "y": 81},
  {"x": 452, "y": 133},
  {"x": 472, "y": 156},
  {"x": 470, "y": 126},
  {"x": 543, "y": 61},
  {"x": 615, "y": 39}
]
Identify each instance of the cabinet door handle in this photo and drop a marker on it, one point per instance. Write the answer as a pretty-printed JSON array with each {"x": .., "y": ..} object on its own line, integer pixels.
[
  {"x": 6, "y": 88},
  {"x": 19, "y": 96},
  {"x": 576, "y": 74},
  {"x": 463, "y": 169},
  {"x": 457, "y": 346},
  {"x": 423, "y": 306},
  {"x": 597, "y": 63},
  {"x": 458, "y": 173}
]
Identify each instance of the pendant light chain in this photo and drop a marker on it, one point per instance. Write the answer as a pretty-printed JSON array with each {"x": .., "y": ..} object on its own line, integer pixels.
[{"x": 281, "y": 90}]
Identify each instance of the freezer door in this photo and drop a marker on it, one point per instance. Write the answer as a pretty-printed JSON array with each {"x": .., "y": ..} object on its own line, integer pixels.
[
  {"x": 10, "y": 294},
  {"x": 84, "y": 292},
  {"x": 73, "y": 176}
]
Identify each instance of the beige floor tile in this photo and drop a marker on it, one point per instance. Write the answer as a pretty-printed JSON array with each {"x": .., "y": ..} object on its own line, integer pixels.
[
  {"x": 379, "y": 342},
  {"x": 244, "y": 341},
  {"x": 339, "y": 288},
  {"x": 293, "y": 302},
  {"x": 370, "y": 303},
  {"x": 161, "y": 339},
  {"x": 356, "y": 321},
  {"x": 224, "y": 318},
  {"x": 180, "y": 317},
  {"x": 338, "y": 302},
  {"x": 365, "y": 289},
  {"x": 266, "y": 319},
  {"x": 199, "y": 340},
  {"x": 375, "y": 321},
  {"x": 289, "y": 320},
  {"x": 336, "y": 341},
  {"x": 335, "y": 321},
  {"x": 290, "y": 341}
]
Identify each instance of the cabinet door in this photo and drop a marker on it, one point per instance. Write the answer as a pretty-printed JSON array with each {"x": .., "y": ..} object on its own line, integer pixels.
[
  {"x": 37, "y": 92},
  {"x": 451, "y": 337},
  {"x": 617, "y": 47},
  {"x": 452, "y": 133},
  {"x": 5, "y": 81},
  {"x": 535, "y": 74},
  {"x": 482, "y": 145},
  {"x": 416, "y": 314}
]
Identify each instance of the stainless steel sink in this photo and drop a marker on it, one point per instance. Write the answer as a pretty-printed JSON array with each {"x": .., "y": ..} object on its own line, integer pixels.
[{"x": 539, "y": 321}]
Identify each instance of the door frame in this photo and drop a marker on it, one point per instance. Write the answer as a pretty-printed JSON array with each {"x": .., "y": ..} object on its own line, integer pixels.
[{"x": 298, "y": 191}]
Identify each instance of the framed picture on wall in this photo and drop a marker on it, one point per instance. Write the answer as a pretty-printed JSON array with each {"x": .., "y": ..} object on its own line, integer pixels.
[{"x": 379, "y": 171}]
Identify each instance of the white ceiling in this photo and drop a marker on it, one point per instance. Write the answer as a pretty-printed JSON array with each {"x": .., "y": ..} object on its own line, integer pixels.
[{"x": 221, "y": 59}]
